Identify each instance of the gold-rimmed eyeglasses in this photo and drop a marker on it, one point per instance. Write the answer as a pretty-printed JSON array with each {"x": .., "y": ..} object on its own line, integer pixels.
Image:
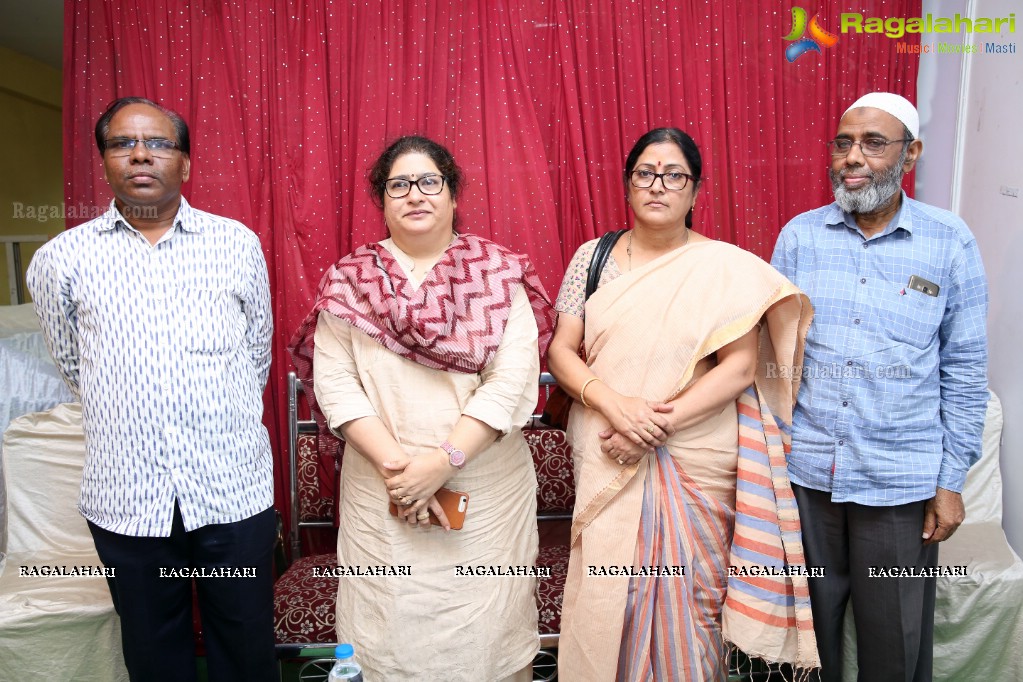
[{"x": 872, "y": 146}]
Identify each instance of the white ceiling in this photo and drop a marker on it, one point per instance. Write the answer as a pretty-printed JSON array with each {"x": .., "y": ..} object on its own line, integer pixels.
[{"x": 34, "y": 28}]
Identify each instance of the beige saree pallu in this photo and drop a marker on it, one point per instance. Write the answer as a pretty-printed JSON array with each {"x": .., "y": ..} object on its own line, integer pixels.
[{"x": 648, "y": 333}]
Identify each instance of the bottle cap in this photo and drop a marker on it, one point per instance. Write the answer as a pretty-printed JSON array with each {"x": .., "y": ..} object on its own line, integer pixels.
[{"x": 344, "y": 651}]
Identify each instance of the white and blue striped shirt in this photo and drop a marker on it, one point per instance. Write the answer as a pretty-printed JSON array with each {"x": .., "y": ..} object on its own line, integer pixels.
[
  {"x": 168, "y": 348},
  {"x": 894, "y": 388}
]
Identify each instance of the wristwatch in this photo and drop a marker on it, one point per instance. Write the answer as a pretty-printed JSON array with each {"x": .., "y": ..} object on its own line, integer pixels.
[{"x": 456, "y": 457}]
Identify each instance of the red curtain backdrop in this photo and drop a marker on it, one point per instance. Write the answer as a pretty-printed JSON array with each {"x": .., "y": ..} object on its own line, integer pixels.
[{"x": 290, "y": 101}]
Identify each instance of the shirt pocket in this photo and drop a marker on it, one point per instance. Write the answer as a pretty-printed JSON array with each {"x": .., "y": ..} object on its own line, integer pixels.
[
  {"x": 915, "y": 318},
  {"x": 210, "y": 320}
]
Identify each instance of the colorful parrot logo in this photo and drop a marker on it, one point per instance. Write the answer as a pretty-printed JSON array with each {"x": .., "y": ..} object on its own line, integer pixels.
[{"x": 818, "y": 36}]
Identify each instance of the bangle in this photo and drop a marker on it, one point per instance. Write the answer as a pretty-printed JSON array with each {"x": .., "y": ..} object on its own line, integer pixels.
[{"x": 582, "y": 391}]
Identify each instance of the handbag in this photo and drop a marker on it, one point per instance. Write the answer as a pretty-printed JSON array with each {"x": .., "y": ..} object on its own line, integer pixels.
[{"x": 559, "y": 403}]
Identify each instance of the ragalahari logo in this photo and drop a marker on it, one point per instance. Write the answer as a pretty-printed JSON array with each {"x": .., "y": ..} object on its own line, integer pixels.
[{"x": 818, "y": 36}]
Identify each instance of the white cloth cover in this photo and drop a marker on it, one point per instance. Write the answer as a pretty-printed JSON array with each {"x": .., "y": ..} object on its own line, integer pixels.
[
  {"x": 18, "y": 319},
  {"x": 29, "y": 381},
  {"x": 52, "y": 627},
  {"x": 978, "y": 618}
]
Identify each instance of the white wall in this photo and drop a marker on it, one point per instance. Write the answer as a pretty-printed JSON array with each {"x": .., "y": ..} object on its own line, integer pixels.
[
  {"x": 937, "y": 93},
  {"x": 971, "y": 113}
]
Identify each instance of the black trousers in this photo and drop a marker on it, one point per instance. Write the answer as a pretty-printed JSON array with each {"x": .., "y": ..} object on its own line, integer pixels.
[
  {"x": 156, "y": 607},
  {"x": 894, "y": 617}
]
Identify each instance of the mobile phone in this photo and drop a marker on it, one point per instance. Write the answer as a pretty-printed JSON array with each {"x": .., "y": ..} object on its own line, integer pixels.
[
  {"x": 454, "y": 503},
  {"x": 923, "y": 286}
]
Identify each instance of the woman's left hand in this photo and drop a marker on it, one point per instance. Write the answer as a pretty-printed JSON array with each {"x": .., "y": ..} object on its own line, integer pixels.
[
  {"x": 621, "y": 449},
  {"x": 418, "y": 513},
  {"x": 421, "y": 478}
]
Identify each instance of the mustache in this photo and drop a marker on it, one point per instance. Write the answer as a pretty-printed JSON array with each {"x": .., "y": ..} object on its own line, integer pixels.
[{"x": 859, "y": 173}]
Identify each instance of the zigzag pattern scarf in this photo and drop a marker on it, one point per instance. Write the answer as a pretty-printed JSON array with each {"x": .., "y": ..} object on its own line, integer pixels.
[{"x": 453, "y": 322}]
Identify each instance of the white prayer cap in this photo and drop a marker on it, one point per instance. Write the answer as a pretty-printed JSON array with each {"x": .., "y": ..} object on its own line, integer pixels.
[{"x": 896, "y": 105}]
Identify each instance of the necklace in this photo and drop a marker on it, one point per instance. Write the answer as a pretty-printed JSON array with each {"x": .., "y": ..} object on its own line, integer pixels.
[{"x": 628, "y": 245}]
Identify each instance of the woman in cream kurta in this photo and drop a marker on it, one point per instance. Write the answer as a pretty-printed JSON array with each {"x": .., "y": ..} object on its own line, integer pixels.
[
  {"x": 423, "y": 351},
  {"x": 434, "y": 624}
]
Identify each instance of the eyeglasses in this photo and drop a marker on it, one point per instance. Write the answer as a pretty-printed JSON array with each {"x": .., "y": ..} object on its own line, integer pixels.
[
  {"x": 673, "y": 180},
  {"x": 397, "y": 188},
  {"x": 872, "y": 146},
  {"x": 123, "y": 146}
]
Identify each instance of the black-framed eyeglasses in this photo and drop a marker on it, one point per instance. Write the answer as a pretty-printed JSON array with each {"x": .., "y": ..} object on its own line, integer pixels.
[
  {"x": 672, "y": 180},
  {"x": 123, "y": 146},
  {"x": 397, "y": 188},
  {"x": 872, "y": 146}
]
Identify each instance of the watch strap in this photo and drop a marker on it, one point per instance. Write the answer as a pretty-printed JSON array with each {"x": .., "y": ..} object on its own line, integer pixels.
[{"x": 456, "y": 457}]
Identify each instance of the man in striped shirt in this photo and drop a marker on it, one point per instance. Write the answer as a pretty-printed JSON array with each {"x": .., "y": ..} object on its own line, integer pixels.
[
  {"x": 894, "y": 391},
  {"x": 158, "y": 317}
]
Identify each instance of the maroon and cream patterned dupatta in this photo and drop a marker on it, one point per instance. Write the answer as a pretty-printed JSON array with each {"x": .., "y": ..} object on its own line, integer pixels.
[{"x": 453, "y": 322}]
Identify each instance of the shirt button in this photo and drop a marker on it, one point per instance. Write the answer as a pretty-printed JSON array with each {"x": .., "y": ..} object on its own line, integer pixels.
[
  {"x": 856, "y": 321},
  {"x": 863, "y": 280}
]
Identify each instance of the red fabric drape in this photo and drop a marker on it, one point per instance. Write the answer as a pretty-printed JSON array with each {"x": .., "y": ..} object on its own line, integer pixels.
[{"x": 289, "y": 102}]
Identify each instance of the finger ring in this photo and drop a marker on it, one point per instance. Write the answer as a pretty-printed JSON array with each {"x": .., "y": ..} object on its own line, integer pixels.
[
  {"x": 621, "y": 461},
  {"x": 423, "y": 516}
]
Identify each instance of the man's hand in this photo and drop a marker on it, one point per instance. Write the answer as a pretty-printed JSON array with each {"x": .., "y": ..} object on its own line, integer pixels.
[{"x": 942, "y": 515}]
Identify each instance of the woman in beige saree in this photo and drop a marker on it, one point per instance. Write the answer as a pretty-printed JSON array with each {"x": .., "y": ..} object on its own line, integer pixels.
[
  {"x": 691, "y": 346},
  {"x": 423, "y": 351}
]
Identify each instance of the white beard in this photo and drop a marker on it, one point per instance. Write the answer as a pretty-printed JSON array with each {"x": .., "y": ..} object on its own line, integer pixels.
[{"x": 878, "y": 192}]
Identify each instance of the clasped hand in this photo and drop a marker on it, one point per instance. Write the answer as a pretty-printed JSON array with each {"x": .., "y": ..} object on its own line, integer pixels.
[
  {"x": 637, "y": 427},
  {"x": 411, "y": 485}
]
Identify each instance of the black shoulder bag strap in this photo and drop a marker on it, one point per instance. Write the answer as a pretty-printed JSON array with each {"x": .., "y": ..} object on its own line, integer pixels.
[
  {"x": 600, "y": 256},
  {"x": 555, "y": 412}
]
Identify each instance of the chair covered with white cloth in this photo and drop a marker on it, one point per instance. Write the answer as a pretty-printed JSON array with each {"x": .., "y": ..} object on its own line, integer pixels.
[
  {"x": 53, "y": 627},
  {"x": 29, "y": 381}
]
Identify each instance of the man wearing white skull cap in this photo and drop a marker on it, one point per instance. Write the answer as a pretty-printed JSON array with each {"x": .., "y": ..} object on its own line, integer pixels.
[{"x": 891, "y": 410}]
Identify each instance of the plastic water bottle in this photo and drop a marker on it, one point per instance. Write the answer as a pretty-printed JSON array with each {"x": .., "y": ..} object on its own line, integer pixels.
[{"x": 346, "y": 668}]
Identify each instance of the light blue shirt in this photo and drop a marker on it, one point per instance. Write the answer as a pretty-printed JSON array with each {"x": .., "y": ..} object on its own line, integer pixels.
[
  {"x": 894, "y": 388},
  {"x": 168, "y": 348}
]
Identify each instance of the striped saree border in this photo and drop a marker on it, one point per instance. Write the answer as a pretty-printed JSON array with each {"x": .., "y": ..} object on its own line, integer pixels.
[
  {"x": 767, "y": 616},
  {"x": 672, "y": 625}
]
